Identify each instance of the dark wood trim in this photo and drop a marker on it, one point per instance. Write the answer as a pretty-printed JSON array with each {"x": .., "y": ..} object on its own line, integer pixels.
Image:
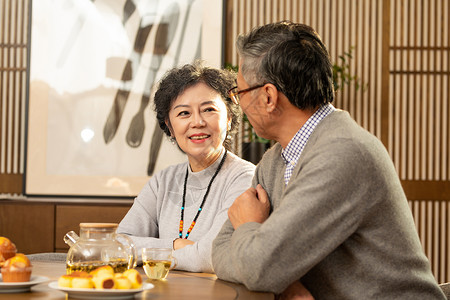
[
  {"x": 228, "y": 31},
  {"x": 11, "y": 183},
  {"x": 426, "y": 190},
  {"x": 406, "y": 72},
  {"x": 385, "y": 72},
  {"x": 419, "y": 48}
]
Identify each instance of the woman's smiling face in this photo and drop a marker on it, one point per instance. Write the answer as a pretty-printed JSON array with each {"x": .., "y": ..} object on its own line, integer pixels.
[{"x": 199, "y": 122}]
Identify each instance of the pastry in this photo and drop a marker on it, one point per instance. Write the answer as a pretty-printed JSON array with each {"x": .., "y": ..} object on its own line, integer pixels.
[
  {"x": 66, "y": 280},
  {"x": 103, "y": 271},
  {"x": 17, "y": 269},
  {"x": 122, "y": 282},
  {"x": 104, "y": 282},
  {"x": 102, "y": 278},
  {"x": 7, "y": 250},
  {"x": 82, "y": 283},
  {"x": 134, "y": 277}
]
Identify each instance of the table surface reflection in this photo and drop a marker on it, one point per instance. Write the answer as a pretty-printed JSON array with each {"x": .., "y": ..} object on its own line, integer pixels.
[{"x": 179, "y": 285}]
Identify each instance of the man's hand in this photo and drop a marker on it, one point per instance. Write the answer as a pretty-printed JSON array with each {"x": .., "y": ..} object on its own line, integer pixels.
[
  {"x": 251, "y": 206},
  {"x": 296, "y": 291},
  {"x": 181, "y": 243}
]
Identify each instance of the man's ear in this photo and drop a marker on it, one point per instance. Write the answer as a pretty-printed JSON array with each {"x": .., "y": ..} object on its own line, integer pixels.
[{"x": 272, "y": 97}]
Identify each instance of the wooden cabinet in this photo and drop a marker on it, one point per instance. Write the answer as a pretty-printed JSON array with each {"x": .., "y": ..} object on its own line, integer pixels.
[
  {"x": 29, "y": 226},
  {"x": 40, "y": 227}
]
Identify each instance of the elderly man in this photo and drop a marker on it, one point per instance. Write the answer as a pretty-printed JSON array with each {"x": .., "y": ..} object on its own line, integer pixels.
[{"x": 327, "y": 211}]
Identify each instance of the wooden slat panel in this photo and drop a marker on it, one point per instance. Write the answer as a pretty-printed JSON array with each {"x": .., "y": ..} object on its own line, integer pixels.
[
  {"x": 419, "y": 130},
  {"x": 13, "y": 51},
  {"x": 432, "y": 223}
]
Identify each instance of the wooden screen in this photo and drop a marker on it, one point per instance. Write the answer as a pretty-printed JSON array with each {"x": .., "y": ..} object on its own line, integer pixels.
[
  {"x": 13, "y": 66},
  {"x": 418, "y": 119},
  {"x": 400, "y": 51}
]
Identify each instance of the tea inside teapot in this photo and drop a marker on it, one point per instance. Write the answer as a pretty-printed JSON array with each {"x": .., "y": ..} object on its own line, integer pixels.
[{"x": 99, "y": 245}]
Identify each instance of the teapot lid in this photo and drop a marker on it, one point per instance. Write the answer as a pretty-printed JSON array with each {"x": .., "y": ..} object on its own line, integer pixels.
[{"x": 99, "y": 225}]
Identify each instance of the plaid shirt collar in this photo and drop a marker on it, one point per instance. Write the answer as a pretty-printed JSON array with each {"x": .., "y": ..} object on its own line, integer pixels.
[{"x": 294, "y": 149}]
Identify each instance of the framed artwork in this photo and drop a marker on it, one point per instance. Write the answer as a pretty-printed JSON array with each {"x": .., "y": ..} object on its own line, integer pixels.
[{"x": 94, "y": 66}]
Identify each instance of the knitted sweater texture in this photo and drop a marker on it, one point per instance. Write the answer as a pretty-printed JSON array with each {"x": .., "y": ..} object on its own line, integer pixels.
[
  {"x": 153, "y": 220},
  {"x": 342, "y": 225}
]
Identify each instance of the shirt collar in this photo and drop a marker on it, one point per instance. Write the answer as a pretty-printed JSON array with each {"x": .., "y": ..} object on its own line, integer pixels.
[{"x": 294, "y": 149}]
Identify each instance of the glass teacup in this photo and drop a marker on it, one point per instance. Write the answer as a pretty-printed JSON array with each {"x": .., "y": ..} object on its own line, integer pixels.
[{"x": 157, "y": 262}]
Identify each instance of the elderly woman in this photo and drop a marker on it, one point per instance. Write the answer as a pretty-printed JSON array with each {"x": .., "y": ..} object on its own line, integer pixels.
[{"x": 185, "y": 205}]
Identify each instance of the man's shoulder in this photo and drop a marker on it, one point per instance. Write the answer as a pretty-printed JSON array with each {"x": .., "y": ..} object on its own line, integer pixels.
[{"x": 339, "y": 125}]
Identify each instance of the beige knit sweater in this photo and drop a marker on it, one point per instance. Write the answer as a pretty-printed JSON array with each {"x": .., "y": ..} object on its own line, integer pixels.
[{"x": 342, "y": 225}]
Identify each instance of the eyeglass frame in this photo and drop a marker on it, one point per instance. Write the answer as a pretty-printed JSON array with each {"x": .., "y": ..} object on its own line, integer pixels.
[{"x": 233, "y": 95}]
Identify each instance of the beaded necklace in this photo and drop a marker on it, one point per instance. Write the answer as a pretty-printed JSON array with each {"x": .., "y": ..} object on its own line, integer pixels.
[{"x": 203, "y": 201}]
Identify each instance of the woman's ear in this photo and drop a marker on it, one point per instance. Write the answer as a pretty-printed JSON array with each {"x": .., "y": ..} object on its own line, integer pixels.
[{"x": 170, "y": 127}]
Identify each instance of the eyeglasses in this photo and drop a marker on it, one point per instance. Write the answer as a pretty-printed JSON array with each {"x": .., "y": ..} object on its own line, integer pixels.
[{"x": 234, "y": 92}]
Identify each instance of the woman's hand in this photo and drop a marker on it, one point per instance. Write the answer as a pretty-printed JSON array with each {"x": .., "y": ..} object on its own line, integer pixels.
[{"x": 181, "y": 243}]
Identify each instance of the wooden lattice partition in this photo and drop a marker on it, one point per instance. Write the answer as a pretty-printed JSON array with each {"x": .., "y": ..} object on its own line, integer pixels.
[{"x": 13, "y": 67}]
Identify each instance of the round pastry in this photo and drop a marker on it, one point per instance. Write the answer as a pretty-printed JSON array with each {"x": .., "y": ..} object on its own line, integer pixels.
[
  {"x": 103, "y": 278},
  {"x": 104, "y": 282},
  {"x": 134, "y": 277},
  {"x": 82, "y": 283},
  {"x": 103, "y": 271},
  {"x": 122, "y": 283},
  {"x": 17, "y": 269},
  {"x": 7, "y": 250},
  {"x": 67, "y": 280}
]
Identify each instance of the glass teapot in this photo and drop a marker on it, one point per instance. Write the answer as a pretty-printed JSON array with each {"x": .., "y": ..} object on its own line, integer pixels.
[{"x": 99, "y": 245}]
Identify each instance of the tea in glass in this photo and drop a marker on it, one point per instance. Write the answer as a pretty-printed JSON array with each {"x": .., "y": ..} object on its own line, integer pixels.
[{"x": 157, "y": 262}]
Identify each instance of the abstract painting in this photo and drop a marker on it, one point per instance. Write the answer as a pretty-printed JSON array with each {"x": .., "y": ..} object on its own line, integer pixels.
[{"x": 94, "y": 66}]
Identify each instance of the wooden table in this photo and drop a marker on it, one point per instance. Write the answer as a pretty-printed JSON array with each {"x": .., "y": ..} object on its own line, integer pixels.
[{"x": 179, "y": 285}]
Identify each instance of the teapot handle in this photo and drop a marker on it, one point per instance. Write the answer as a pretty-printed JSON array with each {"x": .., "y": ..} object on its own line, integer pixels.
[
  {"x": 71, "y": 238},
  {"x": 131, "y": 249}
]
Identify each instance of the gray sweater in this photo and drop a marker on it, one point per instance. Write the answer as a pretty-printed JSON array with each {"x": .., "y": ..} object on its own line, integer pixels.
[
  {"x": 153, "y": 220},
  {"x": 342, "y": 225}
]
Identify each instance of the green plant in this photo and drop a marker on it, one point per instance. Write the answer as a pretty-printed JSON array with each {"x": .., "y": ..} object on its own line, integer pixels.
[
  {"x": 231, "y": 67},
  {"x": 342, "y": 73}
]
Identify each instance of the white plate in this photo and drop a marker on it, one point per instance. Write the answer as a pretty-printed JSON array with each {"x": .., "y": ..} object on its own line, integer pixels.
[
  {"x": 20, "y": 287},
  {"x": 101, "y": 294}
]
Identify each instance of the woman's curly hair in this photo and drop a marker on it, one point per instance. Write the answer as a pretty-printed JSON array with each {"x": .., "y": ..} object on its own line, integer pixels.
[{"x": 177, "y": 80}]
